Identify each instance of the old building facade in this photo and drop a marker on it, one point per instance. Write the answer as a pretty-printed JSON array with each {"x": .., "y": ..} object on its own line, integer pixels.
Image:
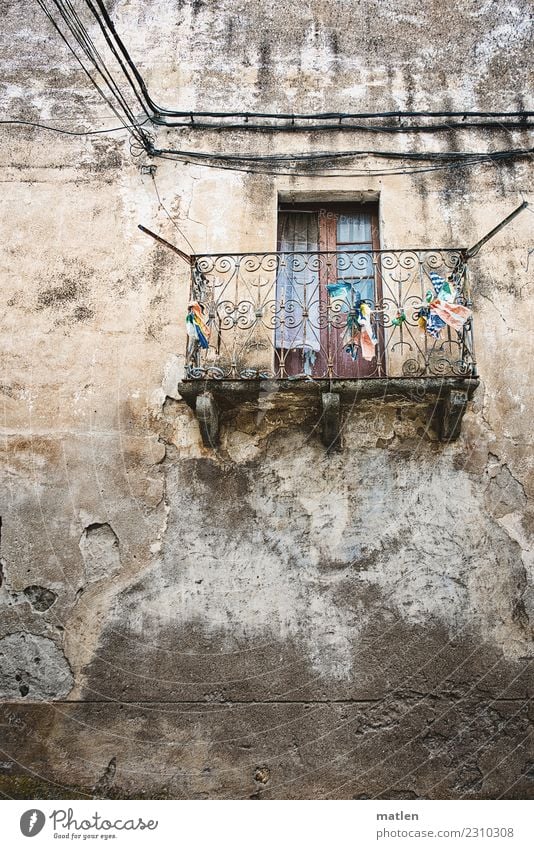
[{"x": 311, "y": 596}]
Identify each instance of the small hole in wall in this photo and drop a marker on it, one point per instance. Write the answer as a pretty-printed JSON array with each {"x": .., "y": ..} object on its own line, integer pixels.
[{"x": 24, "y": 690}]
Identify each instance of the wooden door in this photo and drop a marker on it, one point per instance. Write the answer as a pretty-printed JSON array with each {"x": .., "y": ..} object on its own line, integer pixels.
[{"x": 347, "y": 235}]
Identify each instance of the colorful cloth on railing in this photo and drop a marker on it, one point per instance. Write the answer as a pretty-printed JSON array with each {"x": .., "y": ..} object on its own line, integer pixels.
[
  {"x": 440, "y": 308},
  {"x": 197, "y": 329},
  {"x": 359, "y": 336}
]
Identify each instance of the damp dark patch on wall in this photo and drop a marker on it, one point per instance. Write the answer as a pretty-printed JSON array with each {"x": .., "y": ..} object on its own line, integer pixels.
[
  {"x": 107, "y": 156},
  {"x": 58, "y": 296},
  {"x": 334, "y": 42},
  {"x": 229, "y": 31},
  {"x": 263, "y": 79},
  {"x": 82, "y": 314},
  {"x": 66, "y": 300},
  {"x": 485, "y": 284},
  {"x": 259, "y": 192},
  {"x": 12, "y": 390},
  {"x": 160, "y": 261}
]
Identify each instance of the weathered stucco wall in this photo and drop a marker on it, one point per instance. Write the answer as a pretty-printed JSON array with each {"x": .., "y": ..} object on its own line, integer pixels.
[{"x": 265, "y": 619}]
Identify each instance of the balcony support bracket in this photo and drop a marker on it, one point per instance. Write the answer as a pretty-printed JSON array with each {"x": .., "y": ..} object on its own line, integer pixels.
[
  {"x": 207, "y": 415},
  {"x": 331, "y": 404},
  {"x": 453, "y": 407}
]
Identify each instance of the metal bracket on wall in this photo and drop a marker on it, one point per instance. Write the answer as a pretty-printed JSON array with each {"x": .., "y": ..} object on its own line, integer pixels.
[
  {"x": 208, "y": 419},
  {"x": 453, "y": 407},
  {"x": 475, "y": 249},
  {"x": 331, "y": 435}
]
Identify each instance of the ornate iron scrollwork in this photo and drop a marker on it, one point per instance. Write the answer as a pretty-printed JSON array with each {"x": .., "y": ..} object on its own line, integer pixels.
[{"x": 265, "y": 309}]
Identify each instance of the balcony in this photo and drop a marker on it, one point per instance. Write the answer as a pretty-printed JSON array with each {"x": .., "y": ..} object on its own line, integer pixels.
[{"x": 396, "y": 324}]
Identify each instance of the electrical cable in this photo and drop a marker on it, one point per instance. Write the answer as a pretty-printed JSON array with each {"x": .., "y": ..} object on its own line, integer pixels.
[
  {"x": 169, "y": 216},
  {"x": 157, "y": 115},
  {"x": 119, "y": 60},
  {"x": 71, "y": 132},
  {"x": 376, "y": 172},
  {"x": 77, "y": 28},
  {"x": 345, "y": 154},
  {"x": 109, "y": 23},
  {"x": 50, "y": 17},
  {"x": 131, "y": 123},
  {"x": 360, "y": 128},
  {"x": 338, "y": 172},
  {"x": 336, "y": 116},
  {"x": 160, "y": 113}
]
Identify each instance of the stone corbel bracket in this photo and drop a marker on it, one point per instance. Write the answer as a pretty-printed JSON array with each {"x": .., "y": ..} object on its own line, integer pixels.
[
  {"x": 453, "y": 407},
  {"x": 331, "y": 433},
  {"x": 208, "y": 419}
]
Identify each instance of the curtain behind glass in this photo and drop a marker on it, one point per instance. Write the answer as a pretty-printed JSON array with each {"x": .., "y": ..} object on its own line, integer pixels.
[{"x": 297, "y": 286}]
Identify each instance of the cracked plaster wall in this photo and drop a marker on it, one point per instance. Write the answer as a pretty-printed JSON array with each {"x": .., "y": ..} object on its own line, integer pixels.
[{"x": 264, "y": 620}]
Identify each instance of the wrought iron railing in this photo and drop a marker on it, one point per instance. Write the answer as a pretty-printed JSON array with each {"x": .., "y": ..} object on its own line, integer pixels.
[{"x": 345, "y": 314}]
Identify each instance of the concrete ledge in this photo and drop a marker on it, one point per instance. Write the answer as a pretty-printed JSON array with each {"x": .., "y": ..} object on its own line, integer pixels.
[
  {"x": 207, "y": 397},
  {"x": 230, "y": 393}
]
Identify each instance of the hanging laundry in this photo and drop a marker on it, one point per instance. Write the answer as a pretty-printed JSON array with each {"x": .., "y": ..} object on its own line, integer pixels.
[
  {"x": 428, "y": 321},
  {"x": 197, "y": 329},
  {"x": 359, "y": 334},
  {"x": 440, "y": 308},
  {"x": 444, "y": 289},
  {"x": 399, "y": 319},
  {"x": 200, "y": 284},
  {"x": 340, "y": 296}
]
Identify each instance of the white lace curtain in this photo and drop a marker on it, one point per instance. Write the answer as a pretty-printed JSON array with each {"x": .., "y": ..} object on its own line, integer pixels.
[{"x": 297, "y": 285}]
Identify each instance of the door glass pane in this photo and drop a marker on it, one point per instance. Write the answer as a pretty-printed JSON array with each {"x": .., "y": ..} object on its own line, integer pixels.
[
  {"x": 355, "y": 263},
  {"x": 354, "y": 227}
]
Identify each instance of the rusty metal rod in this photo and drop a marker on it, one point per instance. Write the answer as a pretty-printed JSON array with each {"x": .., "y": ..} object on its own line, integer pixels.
[
  {"x": 167, "y": 244},
  {"x": 475, "y": 249}
]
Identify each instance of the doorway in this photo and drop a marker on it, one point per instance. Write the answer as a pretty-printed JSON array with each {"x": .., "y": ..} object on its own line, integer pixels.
[{"x": 328, "y": 286}]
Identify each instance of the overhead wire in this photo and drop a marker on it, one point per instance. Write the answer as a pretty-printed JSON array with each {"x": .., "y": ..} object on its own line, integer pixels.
[
  {"x": 169, "y": 216},
  {"x": 109, "y": 41},
  {"x": 158, "y": 115},
  {"x": 339, "y": 172},
  {"x": 82, "y": 37},
  {"x": 52, "y": 20},
  {"x": 122, "y": 48},
  {"x": 347, "y": 154},
  {"x": 159, "y": 111},
  {"x": 193, "y": 124},
  {"x": 72, "y": 132},
  {"x": 126, "y": 116}
]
